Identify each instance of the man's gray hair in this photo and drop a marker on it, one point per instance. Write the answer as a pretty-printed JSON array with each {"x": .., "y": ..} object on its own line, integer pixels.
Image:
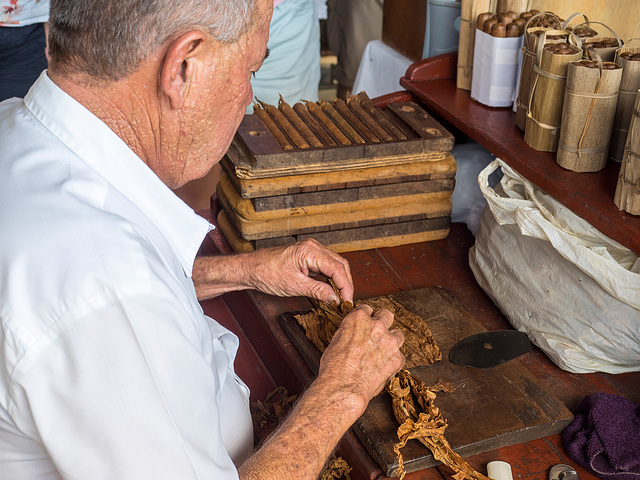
[{"x": 108, "y": 39}]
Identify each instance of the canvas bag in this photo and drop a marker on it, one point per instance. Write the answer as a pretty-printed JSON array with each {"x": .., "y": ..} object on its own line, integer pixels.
[{"x": 573, "y": 290}]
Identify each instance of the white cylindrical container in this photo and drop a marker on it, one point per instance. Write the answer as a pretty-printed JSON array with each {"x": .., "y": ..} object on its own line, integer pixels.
[{"x": 499, "y": 470}]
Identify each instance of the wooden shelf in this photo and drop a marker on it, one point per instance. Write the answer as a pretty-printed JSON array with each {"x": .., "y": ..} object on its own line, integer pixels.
[{"x": 589, "y": 195}]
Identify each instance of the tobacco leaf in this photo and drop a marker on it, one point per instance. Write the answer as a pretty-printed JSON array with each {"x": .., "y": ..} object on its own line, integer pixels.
[
  {"x": 427, "y": 426},
  {"x": 419, "y": 346},
  {"x": 267, "y": 414},
  {"x": 336, "y": 468}
]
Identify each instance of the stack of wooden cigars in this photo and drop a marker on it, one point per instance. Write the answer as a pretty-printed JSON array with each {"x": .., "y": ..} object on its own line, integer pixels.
[{"x": 347, "y": 173}]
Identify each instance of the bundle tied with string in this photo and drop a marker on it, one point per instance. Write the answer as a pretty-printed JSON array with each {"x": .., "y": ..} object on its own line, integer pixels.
[
  {"x": 529, "y": 49},
  {"x": 583, "y": 30},
  {"x": 542, "y": 127},
  {"x": 469, "y": 11},
  {"x": 590, "y": 99},
  {"x": 628, "y": 57},
  {"x": 627, "y": 196},
  {"x": 604, "y": 46}
]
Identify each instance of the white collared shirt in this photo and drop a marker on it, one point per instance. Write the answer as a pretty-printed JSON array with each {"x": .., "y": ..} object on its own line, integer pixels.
[{"x": 109, "y": 369}]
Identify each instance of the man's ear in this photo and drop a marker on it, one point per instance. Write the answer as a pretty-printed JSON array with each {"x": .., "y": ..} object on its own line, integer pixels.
[{"x": 184, "y": 56}]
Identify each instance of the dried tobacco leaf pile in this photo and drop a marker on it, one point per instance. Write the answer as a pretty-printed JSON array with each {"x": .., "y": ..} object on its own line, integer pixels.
[
  {"x": 426, "y": 426},
  {"x": 266, "y": 415},
  {"x": 419, "y": 346},
  {"x": 337, "y": 468}
]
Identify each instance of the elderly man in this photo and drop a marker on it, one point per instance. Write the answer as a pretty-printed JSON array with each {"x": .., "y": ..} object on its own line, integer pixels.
[{"x": 108, "y": 367}]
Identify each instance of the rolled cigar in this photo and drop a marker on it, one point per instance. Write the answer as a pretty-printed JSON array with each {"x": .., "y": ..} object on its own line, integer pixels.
[
  {"x": 354, "y": 121},
  {"x": 272, "y": 127},
  {"x": 506, "y": 19},
  {"x": 341, "y": 122},
  {"x": 513, "y": 30},
  {"x": 315, "y": 126},
  {"x": 499, "y": 30},
  {"x": 512, "y": 14},
  {"x": 379, "y": 115},
  {"x": 400, "y": 123},
  {"x": 289, "y": 129},
  {"x": 354, "y": 105},
  {"x": 483, "y": 17},
  {"x": 322, "y": 117},
  {"x": 521, "y": 22},
  {"x": 488, "y": 25},
  {"x": 293, "y": 117}
]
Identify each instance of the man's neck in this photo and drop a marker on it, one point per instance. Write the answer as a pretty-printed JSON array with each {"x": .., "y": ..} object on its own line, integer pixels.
[{"x": 125, "y": 106}]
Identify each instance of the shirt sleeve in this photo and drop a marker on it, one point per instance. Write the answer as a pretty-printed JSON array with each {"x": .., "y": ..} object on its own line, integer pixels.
[{"x": 133, "y": 388}]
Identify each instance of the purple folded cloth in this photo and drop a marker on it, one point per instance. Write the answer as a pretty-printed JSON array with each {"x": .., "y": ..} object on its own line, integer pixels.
[{"x": 604, "y": 436}]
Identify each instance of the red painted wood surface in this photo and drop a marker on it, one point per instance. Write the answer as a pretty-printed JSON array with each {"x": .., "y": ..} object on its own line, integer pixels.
[
  {"x": 255, "y": 317},
  {"x": 589, "y": 195}
]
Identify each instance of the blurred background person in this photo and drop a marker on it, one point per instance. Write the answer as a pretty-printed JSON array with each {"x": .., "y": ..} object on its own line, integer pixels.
[
  {"x": 292, "y": 68},
  {"x": 351, "y": 24},
  {"x": 23, "y": 37}
]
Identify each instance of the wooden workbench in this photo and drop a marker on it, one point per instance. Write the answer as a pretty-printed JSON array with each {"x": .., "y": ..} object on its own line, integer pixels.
[{"x": 267, "y": 358}]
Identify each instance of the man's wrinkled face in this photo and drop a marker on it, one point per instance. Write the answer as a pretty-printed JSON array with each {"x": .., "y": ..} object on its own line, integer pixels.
[{"x": 218, "y": 101}]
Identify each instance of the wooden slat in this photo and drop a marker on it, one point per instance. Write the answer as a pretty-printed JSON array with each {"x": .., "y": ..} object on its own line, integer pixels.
[
  {"x": 439, "y": 189},
  {"x": 347, "y": 240},
  {"x": 363, "y": 213},
  {"x": 350, "y": 202},
  {"x": 429, "y": 169}
]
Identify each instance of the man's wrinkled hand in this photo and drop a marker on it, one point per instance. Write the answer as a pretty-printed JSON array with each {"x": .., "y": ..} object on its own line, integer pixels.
[
  {"x": 285, "y": 271},
  {"x": 362, "y": 355}
]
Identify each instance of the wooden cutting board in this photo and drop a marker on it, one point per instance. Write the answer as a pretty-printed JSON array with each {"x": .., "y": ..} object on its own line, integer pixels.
[{"x": 489, "y": 409}]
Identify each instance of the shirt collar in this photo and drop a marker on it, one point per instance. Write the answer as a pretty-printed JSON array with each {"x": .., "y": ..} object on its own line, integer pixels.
[{"x": 97, "y": 145}]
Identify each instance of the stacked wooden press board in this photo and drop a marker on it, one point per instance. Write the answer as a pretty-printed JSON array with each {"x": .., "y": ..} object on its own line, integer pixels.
[{"x": 387, "y": 180}]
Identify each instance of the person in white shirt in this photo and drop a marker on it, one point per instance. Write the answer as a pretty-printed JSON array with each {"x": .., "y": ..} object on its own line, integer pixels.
[{"x": 108, "y": 367}]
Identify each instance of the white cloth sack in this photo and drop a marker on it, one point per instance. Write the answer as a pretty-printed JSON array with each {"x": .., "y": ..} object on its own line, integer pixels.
[
  {"x": 573, "y": 290},
  {"x": 495, "y": 69}
]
